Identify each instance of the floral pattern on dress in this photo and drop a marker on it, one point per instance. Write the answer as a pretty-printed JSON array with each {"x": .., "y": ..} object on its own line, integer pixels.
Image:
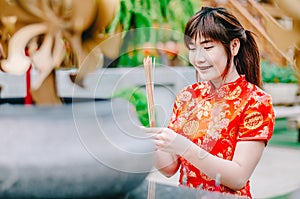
[{"x": 216, "y": 120}]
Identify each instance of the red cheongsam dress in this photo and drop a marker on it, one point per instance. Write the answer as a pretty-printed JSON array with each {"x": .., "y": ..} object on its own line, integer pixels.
[{"x": 216, "y": 120}]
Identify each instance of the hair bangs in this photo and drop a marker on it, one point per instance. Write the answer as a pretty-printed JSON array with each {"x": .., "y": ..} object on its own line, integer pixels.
[{"x": 204, "y": 25}]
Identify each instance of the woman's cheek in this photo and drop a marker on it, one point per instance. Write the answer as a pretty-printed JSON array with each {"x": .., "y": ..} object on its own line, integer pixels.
[{"x": 192, "y": 57}]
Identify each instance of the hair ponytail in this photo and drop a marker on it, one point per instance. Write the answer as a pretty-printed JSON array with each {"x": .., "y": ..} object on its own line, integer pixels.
[{"x": 247, "y": 61}]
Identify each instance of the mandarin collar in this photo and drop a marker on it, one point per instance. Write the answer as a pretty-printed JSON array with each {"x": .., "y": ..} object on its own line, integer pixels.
[{"x": 225, "y": 89}]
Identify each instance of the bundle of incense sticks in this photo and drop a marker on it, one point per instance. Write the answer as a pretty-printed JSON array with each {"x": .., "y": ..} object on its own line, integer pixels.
[
  {"x": 151, "y": 190},
  {"x": 149, "y": 66}
]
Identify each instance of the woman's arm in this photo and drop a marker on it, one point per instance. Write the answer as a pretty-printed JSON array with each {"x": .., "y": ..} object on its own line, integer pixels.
[
  {"x": 235, "y": 173},
  {"x": 167, "y": 163}
]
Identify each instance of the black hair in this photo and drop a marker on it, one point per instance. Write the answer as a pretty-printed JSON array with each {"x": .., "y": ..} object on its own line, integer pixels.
[{"x": 219, "y": 25}]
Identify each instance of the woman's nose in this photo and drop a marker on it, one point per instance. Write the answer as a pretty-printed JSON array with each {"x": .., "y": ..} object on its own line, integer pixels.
[{"x": 200, "y": 56}]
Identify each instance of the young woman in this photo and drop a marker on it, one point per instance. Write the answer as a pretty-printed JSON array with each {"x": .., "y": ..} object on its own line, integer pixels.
[{"x": 220, "y": 126}]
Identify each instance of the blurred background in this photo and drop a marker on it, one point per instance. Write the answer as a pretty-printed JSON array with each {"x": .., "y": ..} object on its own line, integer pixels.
[
  {"x": 55, "y": 51},
  {"x": 42, "y": 38}
]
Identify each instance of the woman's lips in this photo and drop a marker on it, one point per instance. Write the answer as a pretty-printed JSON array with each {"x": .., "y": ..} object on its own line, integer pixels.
[{"x": 205, "y": 67}]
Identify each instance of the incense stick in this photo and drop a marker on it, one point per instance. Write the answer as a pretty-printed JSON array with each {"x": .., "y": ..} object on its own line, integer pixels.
[
  {"x": 148, "y": 67},
  {"x": 151, "y": 190}
]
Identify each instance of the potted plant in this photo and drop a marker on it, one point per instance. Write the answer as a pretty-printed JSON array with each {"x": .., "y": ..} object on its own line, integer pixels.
[{"x": 281, "y": 82}]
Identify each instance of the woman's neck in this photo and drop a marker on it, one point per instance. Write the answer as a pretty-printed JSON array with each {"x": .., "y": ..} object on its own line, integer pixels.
[{"x": 231, "y": 76}]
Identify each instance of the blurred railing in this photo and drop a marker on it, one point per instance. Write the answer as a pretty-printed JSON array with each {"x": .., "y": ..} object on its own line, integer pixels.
[{"x": 275, "y": 41}]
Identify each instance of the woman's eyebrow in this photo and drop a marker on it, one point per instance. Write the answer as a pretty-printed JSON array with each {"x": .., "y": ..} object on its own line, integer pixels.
[
  {"x": 206, "y": 41},
  {"x": 191, "y": 42},
  {"x": 202, "y": 42}
]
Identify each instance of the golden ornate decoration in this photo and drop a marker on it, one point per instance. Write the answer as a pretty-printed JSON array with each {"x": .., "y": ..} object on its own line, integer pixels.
[
  {"x": 191, "y": 127},
  {"x": 234, "y": 94},
  {"x": 253, "y": 120},
  {"x": 49, "y": 34}
]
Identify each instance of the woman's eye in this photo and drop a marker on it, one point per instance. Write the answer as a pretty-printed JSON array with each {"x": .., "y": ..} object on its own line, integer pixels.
[
  {"x": 192, "y": 47},
  {"x": 208, "y": 47}
]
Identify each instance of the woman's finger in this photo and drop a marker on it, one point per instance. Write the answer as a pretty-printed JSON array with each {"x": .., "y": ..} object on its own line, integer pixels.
[
  {"x": 151, "y": 130},
  {"x": 159, "y": 144}
]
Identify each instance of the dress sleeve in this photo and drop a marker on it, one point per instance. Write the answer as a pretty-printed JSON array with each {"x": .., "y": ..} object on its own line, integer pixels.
[
  {"x": 257, "y": 120},
  {"x": 173, "y": 122},
  {"x": 177, "y": 117}
]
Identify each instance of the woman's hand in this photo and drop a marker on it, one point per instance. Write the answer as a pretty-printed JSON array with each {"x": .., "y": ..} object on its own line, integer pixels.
[{"x": 167, "y": 140}]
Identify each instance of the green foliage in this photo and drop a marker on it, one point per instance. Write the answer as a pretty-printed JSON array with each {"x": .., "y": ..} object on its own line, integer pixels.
[
  {"x": 138, "y": 99},
  {"x": 146, "y": 13},
  {"x": 272, "y": 73},
  {"x": 146, "y": 17}
]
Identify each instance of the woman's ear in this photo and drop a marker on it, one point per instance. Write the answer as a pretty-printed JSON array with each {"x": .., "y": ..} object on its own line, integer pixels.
[{"x": 235, "y": 46}]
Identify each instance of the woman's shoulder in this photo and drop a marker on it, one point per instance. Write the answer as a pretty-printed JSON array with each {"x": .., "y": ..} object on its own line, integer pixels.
[
  {"x": 256, "y": 90},
  {"x": 257, "y": 96}
]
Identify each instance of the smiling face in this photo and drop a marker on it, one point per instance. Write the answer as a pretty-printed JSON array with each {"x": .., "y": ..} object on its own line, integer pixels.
[
  {"x": 220, "y": 48},
  {"x": 209, "y": 58}
]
